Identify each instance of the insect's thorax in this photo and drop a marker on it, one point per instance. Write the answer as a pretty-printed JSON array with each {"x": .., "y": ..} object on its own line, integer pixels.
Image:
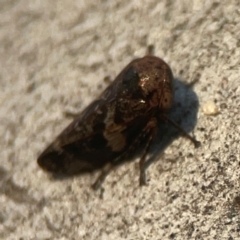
[
  {"x": 129, "y": 109},
  {"x": 155, "y": 82}
]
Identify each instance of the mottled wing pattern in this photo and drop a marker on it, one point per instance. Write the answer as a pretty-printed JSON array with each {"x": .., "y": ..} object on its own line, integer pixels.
[{"x": 93, "y": 138}]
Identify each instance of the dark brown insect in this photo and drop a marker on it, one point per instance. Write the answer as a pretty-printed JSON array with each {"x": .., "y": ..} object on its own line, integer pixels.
[{"x": 113, "y": 126}]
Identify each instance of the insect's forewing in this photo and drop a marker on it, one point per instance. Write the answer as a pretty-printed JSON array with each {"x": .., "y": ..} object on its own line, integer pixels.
[
  {"x": 97, "y": 136},
  {"x": 100, "y": 115}
]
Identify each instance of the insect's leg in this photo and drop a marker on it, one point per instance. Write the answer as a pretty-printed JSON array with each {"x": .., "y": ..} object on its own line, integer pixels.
[
  {"x": 150, "y": 50},
  {"x": 105, "y": 171},
  {"x": 148, "y": 132},
  {"x": 151, "y": 130},
  {"x": 70, "y": 114},
  {"x": 193, "y": 140}
]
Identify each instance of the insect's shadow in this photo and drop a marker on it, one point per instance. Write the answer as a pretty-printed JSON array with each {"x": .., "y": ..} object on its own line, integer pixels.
[{"x": 184, "y": 113}]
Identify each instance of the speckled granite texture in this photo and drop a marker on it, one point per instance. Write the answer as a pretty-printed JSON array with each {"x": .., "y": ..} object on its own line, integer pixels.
[{"x": 54, "y": 56}]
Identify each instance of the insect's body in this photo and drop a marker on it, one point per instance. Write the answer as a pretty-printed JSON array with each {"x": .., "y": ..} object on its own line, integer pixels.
[{"x": 124, "y": 116}]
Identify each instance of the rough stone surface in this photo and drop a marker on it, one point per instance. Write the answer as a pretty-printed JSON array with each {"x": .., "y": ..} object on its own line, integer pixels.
[{"x": 54, "y": 56}]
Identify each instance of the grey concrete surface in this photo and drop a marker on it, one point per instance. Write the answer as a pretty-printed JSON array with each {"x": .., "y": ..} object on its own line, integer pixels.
[{"x": 54, "y": 56}]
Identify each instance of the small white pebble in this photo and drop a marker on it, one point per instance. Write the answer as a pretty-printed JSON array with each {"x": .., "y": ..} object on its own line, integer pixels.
[{"x": 210, "y": 108}]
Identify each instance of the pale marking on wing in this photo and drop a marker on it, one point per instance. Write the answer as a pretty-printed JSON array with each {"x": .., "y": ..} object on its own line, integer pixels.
[{"x": 116, "y": 140}]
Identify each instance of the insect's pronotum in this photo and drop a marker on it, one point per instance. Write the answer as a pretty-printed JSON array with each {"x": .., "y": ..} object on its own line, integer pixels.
[{"x": 113, "y": 126}]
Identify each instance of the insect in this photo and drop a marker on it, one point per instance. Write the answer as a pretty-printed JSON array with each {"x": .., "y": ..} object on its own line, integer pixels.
[{"x": 122, "y": 118}]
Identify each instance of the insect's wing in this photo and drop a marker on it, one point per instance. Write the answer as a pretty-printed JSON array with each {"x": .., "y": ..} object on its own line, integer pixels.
[
  {"x": 88, "y": 123},
  {"x": 82, "y": 145},
  {"x": 98, "y": 116},
  {"x": 100, "y": 133}
]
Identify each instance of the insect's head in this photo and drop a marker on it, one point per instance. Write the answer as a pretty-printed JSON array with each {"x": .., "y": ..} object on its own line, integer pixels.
[{"x": 150, "y": 79}]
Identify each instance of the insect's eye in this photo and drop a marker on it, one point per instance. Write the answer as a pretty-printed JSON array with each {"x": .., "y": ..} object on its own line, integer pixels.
[{"x": 130, "y": 78}]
